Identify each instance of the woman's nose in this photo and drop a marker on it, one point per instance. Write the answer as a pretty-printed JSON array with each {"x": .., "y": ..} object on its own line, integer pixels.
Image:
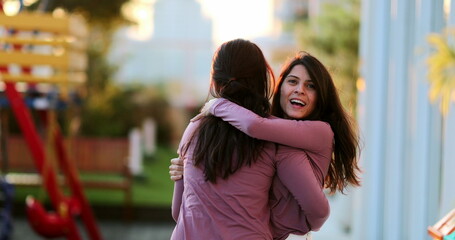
[{"x": 299, "y": 90}]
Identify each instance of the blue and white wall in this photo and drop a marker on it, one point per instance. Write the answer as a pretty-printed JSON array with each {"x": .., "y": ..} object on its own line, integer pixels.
[{"x": 409, "y": 147}]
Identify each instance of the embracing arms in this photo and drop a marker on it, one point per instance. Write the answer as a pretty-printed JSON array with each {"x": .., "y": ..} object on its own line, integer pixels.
[
  {"x": 298, "y": 203},
  {"x": 176, "y": 172},
  {"x": 314, "y": 136}
]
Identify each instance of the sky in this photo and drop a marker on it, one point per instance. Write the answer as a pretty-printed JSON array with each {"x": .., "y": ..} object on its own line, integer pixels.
[
  {"x": 231, "y": 18},
  {"x": 239, "y": 18}
]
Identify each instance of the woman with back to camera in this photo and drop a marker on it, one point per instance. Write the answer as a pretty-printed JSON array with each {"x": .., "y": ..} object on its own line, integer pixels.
[
  {"x": 227, "y": 174},
  {"x": 306, "y": 92}
]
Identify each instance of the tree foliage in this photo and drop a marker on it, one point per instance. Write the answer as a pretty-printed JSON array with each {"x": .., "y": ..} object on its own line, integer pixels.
[
  {"x": 121, "y": 108},
  {"x": 109, "y": 109},
  {"x": 333, "y": 37},
  {"x": 104, "y": 12}
]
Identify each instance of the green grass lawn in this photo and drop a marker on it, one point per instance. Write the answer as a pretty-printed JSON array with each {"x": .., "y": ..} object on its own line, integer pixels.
[
  {"x": 153, "y": 188},
  {"x": 156, "y": 188}
]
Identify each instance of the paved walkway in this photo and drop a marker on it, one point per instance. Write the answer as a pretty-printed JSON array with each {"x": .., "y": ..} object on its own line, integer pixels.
[
  {"x": 109, "y": 231},
  {"x": 118, "y": 230}
]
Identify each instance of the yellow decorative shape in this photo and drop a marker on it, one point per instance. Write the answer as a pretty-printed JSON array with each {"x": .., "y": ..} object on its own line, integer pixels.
[
  {"x": 441, "y": 72},
  {"x": 71, "y": 78},
  {"x": 72, "y": 25},
  {"x": 56, "y": 42}
]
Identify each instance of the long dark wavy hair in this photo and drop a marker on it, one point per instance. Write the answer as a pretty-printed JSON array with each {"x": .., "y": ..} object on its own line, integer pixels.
[
  {"x": 240, "y": 74},
  {"x": 344, "y": 165}
]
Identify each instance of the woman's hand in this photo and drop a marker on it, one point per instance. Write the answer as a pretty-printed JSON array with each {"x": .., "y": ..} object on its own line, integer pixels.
[
  {"x": 205, "y": 111},
  {"x": 176, "y": 169}
]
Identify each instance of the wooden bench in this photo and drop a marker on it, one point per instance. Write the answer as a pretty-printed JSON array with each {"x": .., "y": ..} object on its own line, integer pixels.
[{"x": 102, "y": 163}]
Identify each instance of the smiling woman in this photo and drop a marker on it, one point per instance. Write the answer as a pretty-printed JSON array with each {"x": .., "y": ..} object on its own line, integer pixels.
[{"x": 298, "y": 94}]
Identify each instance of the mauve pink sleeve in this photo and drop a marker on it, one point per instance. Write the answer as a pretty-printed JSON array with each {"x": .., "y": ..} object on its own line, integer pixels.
[
  {"x": 314, "y": 136},
  {"x": 177, "y": 199},
  {"x": 296, "y": 174},
  {"x": 179, "y": 185}
]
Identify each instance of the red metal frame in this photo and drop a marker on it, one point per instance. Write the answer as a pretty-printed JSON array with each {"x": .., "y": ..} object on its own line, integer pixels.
[
  {"x": 66, "y": 207},
  {"x": 61, "y": 223}
]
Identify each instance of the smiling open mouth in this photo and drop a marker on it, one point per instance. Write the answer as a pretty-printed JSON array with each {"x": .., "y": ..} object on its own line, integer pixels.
[{"x": 297, "y": 102}]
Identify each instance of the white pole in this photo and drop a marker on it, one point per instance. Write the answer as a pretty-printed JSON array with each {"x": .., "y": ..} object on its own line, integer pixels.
[
  {"x": 374, "y": 45},
  {"x": 149, "y": 136},
  {"x": 424, "y": 128},
  {"x": 135, "y": 157}
]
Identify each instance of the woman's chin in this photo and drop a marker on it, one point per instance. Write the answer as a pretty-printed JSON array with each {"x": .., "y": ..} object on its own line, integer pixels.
[{"x": 294, "y": 115}]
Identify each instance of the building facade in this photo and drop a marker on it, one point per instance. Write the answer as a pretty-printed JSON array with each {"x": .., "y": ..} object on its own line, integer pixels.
[{"x": 178, "y": 53}]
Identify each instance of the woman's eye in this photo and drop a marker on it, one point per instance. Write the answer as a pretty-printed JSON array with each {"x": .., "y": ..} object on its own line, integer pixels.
[
  {"x": 292, "y": 81},
  {"x": 311, "y": 85}
]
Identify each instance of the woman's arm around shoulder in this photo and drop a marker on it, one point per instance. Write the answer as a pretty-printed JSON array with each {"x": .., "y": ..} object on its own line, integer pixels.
[{"x": 309, "y": 135}]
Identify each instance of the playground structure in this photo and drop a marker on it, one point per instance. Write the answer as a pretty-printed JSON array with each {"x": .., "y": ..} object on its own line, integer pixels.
[
  {"x": 56, "y": 46},
  {"x": 444, "y": 229}
]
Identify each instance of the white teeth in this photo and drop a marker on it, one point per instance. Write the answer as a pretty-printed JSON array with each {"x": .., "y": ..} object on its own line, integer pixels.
[{"x": 297, "y": 101}]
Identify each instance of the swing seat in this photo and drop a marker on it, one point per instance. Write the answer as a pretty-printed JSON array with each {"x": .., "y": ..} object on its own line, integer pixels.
[{"x": 49, "y": 225}]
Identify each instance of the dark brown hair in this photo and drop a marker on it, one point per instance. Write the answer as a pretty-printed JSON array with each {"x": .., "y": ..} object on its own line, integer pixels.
[
  {"x": 343, "y": 167},
  {"x": 240, "y": 74}
]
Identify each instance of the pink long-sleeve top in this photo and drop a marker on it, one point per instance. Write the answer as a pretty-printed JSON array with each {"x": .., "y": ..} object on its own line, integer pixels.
[
  {"x": 238, "y": 208},
  {"x": 309, "y": 145}
]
